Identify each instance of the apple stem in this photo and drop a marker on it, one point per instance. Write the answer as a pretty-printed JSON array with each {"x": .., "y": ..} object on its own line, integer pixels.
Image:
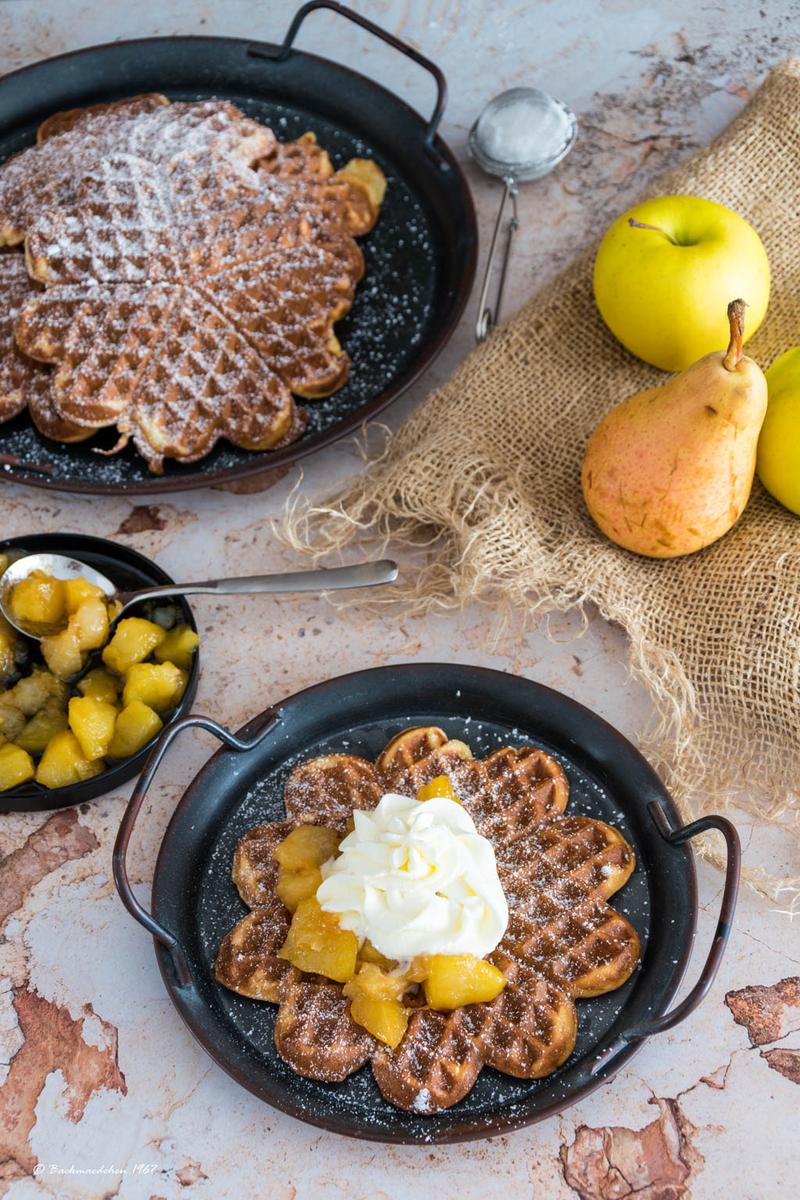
[
  {"x": 643, "y": 225},
  {"x": 733, "y": 355}
]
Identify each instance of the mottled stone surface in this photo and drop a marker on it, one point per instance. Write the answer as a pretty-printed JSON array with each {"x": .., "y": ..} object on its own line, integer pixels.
[{"x": 102, "y": 1091}]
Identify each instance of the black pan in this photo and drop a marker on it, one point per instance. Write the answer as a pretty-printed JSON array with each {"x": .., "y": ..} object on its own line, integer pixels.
[
  {"x": 127, "y": 570},
  {"x": 420, "y": 258},
  {"x": 194, "y": 902}
]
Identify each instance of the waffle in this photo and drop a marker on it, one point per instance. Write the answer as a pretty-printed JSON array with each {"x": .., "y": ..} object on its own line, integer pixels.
[
  {"x": 563, "y": 942},
  {"x": 181, "y": 308},
  {"x": 187, "y": 296}
]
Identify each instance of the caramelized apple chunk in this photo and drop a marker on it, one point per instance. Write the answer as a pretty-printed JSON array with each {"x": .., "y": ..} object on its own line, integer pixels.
[
  {"x": 134, "y": 639},
  {"x": 158, "y": 685},
  {"x": 178, "y": 647},
  {"x": 92, "y": 721},
  {"x": 16, "y": 766},
  {"x": 452, "y": 980},
  {"x": 386, "y": 1020},
  {"x": 35, "y": 690},
  {"x": 368, "y": 954},
  {"x": 135, "y": 726},
  {"x": 12, "y": 720},
  {"x": 370, "y": 980},
  {"x": 42, "y": 727},
  {"x": 62, "y": 653},
  {"x": 90, "y": 624},
  {"x": 37, "y": 602},
  {"x": 300, "y": 856},
  {"x": 368, "y": 176},
  {"x": 12, "y": 650},
  {"x": 64, "y": 763},
  {"x": 317, "y": 944},
  {"x": 376, "y": 1002},
  {"x": 78, "y": 591},
  {"x": 294, "y": 886},
  {"x": 306, "y": 846},
  {"x": 101, "y": 684},
  {"x": 440, "y": 786}
]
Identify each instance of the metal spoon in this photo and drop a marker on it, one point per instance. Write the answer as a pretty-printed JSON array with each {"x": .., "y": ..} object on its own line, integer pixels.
[
  {"x": 319, "y": 580},
  {"x": 520, "y": 135}
]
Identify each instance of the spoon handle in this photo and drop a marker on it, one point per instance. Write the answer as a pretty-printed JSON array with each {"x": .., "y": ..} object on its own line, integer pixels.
[
  {"x": 487, "y": 316},
  {"x": 322, "y": 579}
]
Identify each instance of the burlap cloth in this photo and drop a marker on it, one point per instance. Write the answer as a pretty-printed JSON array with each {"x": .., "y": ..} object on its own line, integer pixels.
[{"x": 487, "y": 474}]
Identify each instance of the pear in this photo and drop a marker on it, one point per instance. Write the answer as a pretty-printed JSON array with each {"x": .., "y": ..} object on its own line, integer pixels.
[{"x": 669, "y": 470}]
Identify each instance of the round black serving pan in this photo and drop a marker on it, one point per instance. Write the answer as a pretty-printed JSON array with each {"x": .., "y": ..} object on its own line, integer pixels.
[
  {"x": 194, "y": 902},
  {"x": 420, "y": 257},
  {"x": 128, "y": 570}
]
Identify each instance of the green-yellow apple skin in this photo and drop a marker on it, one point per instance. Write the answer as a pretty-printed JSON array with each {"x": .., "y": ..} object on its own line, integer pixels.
[
  {"x": 778, "y": 460},
  {"x": 664, "y": 292}
]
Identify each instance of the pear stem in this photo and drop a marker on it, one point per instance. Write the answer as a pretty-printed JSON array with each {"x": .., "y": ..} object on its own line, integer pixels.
[{"x": 734, "y": 353}]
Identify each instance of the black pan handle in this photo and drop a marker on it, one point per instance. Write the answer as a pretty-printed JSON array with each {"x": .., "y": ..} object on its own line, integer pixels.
[
  {"x": 677, "y": 837},
  {"x": 119, "y": 863},
  {"x": 280, "y": 53}
]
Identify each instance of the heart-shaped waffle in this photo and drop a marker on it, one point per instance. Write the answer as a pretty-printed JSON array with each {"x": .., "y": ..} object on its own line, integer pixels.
[
  {"x": 182, "y": 307},
  {"x": 563, "y": 940}
]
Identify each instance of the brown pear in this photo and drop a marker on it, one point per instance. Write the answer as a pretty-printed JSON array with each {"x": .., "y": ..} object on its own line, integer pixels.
[{"x": 669, "y": 470}]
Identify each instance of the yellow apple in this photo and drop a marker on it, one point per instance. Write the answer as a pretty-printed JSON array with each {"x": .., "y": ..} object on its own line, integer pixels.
[
  {"x": 778, "y": 461},
  {"x": 665, "y": 272}
]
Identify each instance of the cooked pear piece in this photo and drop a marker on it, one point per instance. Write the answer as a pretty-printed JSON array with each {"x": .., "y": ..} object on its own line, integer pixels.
[{"x": 669, "y": 470}]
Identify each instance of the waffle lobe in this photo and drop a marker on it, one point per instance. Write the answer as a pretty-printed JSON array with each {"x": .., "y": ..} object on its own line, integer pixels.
[{"x": 563, "y": 940}]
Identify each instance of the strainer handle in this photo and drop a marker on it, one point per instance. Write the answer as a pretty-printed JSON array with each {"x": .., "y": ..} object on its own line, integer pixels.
[
  {"x": 279, "y": 53},
  {"x": 676, "y": 837},
  {"x": 489, "y": 314},
  {"x": 138, "y": 796}
]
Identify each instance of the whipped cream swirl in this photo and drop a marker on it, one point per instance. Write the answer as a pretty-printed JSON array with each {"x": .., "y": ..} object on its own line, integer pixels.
[{"x": 415, "y": 877}]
